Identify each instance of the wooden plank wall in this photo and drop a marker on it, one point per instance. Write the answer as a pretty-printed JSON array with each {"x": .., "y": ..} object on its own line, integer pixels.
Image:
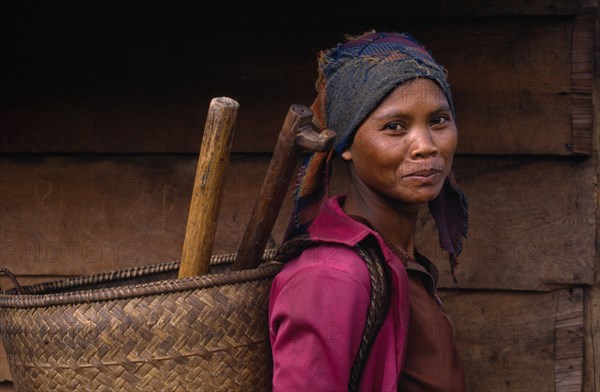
[
  {"x": 591, "y": 369},
  {"x": 99, "y": 132}
]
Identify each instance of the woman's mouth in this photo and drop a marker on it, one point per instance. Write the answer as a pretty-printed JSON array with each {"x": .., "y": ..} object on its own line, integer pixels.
[
  {"x": 424, "y": 173},
  {"x": 424, "y": 176}
]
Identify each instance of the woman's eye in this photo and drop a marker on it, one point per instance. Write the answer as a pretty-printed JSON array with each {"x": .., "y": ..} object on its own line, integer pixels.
[
  {"x": 394, "y": 127},
  {"x": 438, "y": 120}
]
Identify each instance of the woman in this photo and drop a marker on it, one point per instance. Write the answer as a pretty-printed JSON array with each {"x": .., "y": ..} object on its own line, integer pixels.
[{"x": 390, "y": 104}]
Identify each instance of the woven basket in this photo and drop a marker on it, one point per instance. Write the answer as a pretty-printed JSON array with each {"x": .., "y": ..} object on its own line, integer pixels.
[{"x": 140, "y": 329}]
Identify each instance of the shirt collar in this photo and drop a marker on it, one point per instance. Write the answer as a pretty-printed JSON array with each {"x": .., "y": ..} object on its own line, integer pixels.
[{"x": 332, "y": 224}]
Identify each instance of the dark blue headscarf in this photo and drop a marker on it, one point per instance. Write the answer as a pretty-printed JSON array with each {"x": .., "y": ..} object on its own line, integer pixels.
[{"x": 360, "y": 73}]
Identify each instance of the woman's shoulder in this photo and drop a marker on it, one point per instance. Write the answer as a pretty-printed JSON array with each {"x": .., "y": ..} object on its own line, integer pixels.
[{"x": 325, "y": 262}]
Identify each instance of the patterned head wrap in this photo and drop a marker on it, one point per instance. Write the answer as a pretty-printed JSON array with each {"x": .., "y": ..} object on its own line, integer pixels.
[{"x": 354, "y": 77}]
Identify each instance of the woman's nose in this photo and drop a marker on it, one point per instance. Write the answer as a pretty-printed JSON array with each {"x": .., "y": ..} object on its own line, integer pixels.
[{"x": 423, "y": 145}]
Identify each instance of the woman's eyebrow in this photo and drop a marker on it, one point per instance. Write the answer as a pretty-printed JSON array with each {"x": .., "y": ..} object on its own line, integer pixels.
[{"x": 393, "y": 113}]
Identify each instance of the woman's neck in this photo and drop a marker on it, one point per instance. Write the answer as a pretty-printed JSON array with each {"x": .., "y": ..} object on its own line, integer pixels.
[{"x": 396, "y": 222}]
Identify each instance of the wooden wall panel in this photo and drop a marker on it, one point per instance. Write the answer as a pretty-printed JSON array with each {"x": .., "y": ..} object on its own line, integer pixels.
[
  {"x": 508, "y": 340},
  {"x": 71, "y": 216},
  {"x": 569, "y": 340},
  {"x": 66, "y": 215},
  {"x": 582, "y": 81},
  {"x": 592, "y": 338},
  {"x": 531, "y": 224},
  {"x": 509, "y": 75}
]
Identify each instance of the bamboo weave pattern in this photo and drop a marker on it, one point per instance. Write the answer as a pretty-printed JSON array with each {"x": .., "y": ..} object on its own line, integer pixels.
[{"x": 132, "y": 330}]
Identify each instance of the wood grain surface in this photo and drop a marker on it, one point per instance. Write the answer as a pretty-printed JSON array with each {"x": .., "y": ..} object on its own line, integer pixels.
[
  {"x": 209, "y": 184},
  {"x": 72, "y": 215},
  {"x": 508, "y": 75},
  {"x": 569, "y": 340},
  {"x": 592, "y": 337},
  {"x": 508, "y": 340}
]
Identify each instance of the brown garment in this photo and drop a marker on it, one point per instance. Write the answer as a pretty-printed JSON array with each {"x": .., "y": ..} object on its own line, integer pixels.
[{"x": 432, "y": 360}]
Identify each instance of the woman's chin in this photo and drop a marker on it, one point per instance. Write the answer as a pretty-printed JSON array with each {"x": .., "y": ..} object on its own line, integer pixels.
[{"x": 417, "y": 196}]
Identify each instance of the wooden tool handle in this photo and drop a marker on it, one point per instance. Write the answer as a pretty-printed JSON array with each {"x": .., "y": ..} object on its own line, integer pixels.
[
  {"x": 297, "y": 132},
  {"x": 208, "y": 187}
]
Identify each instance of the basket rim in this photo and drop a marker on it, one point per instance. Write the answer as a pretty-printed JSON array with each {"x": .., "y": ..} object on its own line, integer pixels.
[{"x": 35, "y": 295}]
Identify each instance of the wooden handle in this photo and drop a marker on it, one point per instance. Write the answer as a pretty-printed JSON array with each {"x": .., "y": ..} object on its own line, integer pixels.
[
  {"x": 208, "y": 187},
  {"x": 281, "y": 169}
]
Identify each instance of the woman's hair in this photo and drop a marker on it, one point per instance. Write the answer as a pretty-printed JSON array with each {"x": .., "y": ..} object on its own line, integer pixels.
[{"x": 354, "y": 78}]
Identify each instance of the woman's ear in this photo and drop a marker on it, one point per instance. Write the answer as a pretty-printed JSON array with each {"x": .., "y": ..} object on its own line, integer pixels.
[{"x": 347, "y": 155}]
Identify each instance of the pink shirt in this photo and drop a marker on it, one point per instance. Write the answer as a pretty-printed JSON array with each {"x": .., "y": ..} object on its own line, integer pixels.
[{"x": 318, "y": 308}]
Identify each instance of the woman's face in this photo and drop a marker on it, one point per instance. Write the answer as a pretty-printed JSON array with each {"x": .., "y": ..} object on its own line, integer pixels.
[{"x": 403, "y": 151}]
